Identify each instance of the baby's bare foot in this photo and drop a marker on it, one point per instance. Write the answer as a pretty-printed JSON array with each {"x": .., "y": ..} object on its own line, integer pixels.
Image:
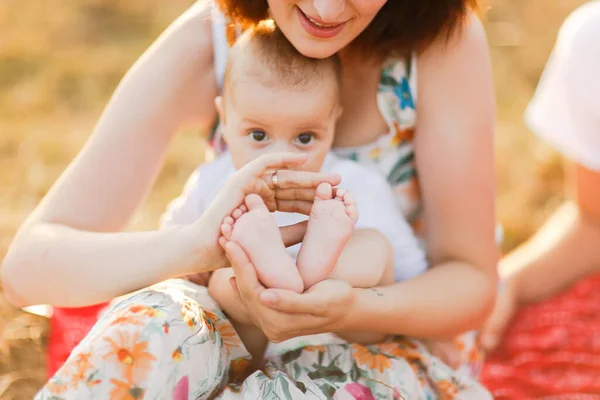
[
  {"x": 330, "y": 225},
  {"x": 253, "y": 227}
]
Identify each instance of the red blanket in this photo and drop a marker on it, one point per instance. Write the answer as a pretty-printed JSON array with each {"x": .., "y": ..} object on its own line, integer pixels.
[
  {"x": 551, "y": 349},
  {"x": 68, "y": 326}
]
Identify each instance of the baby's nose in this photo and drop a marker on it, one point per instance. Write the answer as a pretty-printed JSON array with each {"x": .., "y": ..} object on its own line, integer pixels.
[{"x": 283, "y": 146}]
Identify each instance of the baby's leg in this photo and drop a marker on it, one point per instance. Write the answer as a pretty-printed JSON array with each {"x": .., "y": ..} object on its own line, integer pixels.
[
  {"x": 222, "y": 292},
  {"x": 330, "y": 225},
  {"x": 366, "y": 261},
  {"x": 253, "y": 227}
]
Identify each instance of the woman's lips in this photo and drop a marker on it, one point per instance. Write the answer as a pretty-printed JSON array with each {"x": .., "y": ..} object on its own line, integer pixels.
[{"x": 318, "y": 28}]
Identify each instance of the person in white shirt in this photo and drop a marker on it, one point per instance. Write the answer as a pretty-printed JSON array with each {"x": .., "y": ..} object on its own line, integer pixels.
[{"x": 565, "y": 112}]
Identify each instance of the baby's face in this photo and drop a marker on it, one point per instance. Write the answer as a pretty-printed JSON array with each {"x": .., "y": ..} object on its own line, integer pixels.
[{"x": 258, "y": 119}]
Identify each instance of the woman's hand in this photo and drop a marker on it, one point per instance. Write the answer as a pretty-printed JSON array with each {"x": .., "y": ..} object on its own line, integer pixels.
[
  {"x": 293, "y": 191},
  {"x": 504, "y": 310},
  {"x": 282, "y": 314}
]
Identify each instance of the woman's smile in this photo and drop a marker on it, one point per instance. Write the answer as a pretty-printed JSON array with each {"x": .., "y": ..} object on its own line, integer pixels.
[{"x": 316, "y": 27}]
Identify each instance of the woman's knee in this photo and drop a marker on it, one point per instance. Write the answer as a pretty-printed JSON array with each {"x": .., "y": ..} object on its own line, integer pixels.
[{"x": 155, "y": 338}]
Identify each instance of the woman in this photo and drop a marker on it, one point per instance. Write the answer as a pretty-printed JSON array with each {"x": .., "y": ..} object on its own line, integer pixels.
[
  {"x": 144, "y": 344},
  {"x": 557, "y": 338}
]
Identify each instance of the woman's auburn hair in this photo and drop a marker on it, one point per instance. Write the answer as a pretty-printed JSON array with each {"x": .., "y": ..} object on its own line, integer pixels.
[{"x": 400, "y": 27}]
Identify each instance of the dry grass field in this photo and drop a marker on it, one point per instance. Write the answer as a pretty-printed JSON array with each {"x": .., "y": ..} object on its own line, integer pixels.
[{"x": 60, "y": 61}]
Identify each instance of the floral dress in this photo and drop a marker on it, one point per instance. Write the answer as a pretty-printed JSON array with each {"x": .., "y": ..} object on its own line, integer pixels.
[{"x": 173, "y": 341}]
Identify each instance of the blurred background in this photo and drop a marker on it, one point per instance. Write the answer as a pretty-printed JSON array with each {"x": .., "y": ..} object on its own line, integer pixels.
[{"x": 61, "y": 60}]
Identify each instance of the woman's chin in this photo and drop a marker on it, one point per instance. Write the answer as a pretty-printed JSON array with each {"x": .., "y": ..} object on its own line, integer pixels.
[{"x": 315, "y": 49}]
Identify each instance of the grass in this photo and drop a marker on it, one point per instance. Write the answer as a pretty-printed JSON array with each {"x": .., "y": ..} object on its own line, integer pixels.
[{"x": 61, "y": 60}]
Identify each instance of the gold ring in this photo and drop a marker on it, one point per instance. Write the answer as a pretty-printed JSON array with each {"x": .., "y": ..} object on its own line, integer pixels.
[{"x": 275, "y": 179}]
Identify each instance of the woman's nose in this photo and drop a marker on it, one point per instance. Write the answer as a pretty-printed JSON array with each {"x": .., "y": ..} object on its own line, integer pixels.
[{"x": 330, "y": 10}]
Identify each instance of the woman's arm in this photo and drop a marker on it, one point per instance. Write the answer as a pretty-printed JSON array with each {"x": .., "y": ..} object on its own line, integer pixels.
[
  {"x": 55, "y": 257},
  {"x": 455, "y": 160},
  {"x": 170, "y": 252}
]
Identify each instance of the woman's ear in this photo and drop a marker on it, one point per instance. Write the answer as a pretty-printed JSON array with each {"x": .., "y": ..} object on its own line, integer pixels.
[{"x": 220, "y": 109}]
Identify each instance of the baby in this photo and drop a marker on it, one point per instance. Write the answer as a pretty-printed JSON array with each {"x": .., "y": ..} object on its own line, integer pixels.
[{"x": 276, "y": 100}]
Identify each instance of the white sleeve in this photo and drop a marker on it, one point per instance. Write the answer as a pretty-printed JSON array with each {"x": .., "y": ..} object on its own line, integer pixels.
[
  {"x": 565, "y": 110},
  {"x": 379, "y": 210},
  {"x": 189, "y": 206}
]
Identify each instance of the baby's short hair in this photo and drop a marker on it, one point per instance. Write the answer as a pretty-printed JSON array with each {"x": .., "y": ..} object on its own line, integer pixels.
[{"x": 262, "y": 52}]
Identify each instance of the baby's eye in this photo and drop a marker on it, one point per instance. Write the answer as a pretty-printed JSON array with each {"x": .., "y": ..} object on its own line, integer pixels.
[
  {"x": 305, "y": 138},
  {"x": 258, "y": 136}
]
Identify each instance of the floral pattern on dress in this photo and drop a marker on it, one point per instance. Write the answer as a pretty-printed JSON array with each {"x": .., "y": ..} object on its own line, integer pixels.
[{"x": 200, "y": 356}]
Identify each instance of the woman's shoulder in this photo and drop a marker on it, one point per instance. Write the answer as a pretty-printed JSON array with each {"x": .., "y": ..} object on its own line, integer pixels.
[
  {"x": 197, "y": 15},
  {"x": 193, "y": 30},
  {"x": 451, "y": 65},
  {"x": 468, "y": 38},
  {"x": 447, "y": 53},
  {"x": 186, "y": 48}
]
